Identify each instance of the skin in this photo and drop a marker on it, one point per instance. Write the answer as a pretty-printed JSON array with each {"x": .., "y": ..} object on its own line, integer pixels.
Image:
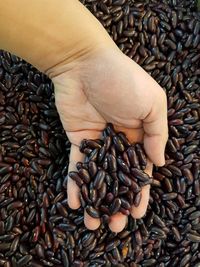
[{"x": 94, "y": 82}]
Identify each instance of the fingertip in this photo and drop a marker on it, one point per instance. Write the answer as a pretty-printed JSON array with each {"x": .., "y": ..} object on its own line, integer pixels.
[
  {"x": 118, "y": 222},
  {"x": 160, "y": 158},
  {"x": 155, "y": 149},
  {"x": 139, "y": 212},
  {"x": 90, "y": 222}
]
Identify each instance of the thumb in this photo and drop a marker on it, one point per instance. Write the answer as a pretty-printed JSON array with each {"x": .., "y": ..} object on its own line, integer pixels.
[{"x": 156, "y": 130}]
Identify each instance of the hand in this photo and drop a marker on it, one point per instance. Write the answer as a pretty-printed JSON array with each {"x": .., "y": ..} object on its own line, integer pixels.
[{"x": 106, "y": 86}]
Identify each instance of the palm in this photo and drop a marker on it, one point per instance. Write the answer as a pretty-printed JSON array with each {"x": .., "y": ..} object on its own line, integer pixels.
[{"x": 102, "y": 95}]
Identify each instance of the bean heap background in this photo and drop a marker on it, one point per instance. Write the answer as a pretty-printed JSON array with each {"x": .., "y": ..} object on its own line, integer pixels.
[{"x": 36, "y": 226}]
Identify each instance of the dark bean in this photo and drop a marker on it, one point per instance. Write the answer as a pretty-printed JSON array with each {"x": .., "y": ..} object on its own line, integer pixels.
[
  {"x": 140, "y": 175},
  {"x": 123, "y": 166},
  {"x": 169, "y": 196},
  {"x": 133, "y": 157},
  {"x": 193, "y": 238},
  {"x": 115, "y": 207},
  {"x": 118, "y": 143},
  {"x": 98, "y": 181},
  {"x": 92, "y": 167},
  {"x": 124, "y": 179},
  {"x": 137, "y": 199},
  {"x": 24, "y": 260},
  {"x": 74, "y": 176},
  {"x": 92, "y": 212},
  {"x": 194, "y": 215},
  {"x": 84, "y": 175},
  {"x": 102, "y": 152}
]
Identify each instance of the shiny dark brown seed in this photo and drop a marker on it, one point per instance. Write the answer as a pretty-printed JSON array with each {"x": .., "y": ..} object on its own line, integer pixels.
[
  {"x": 118, "y": 143},
  {"x": 133, "y": 157},
  {"x": 15, "y": 205},
  {"x": 112, "y": 244},
  {"x": 123, "y": 166},
  {"x": 109, "y": 197},
  {"x": 93, "y": 155},
  {"x": 92, "y": 167},
  {"x": 185, "y": 260},
  {"x": 84, "y": 175},
  {"x": 5, "y": 170},
  {"x": 125, "y": 204},
  {"x": 74, "y": 176},
  {"x": 40, "y": 251},
  {"x": 88, "y": 239},
  {"x": 169, "y": 196},
  {"x": 93, "y": 193},
  {"x": 194, "y": 215},
  {"x": 92, "y": 144},
  {"x": 140, "y": 175},
  {"x": 101, "y": 154},
  {"x": 123, "y": 190},
  {"x": 112, "y": 163},
  {"x": 115, "y": 207},
  {"x": 124, "y": 179},
  {"x": 193, "y": 237},
  {"x": 85, "y": 193},
  {"x": 99, "y": 179},
  {"x": 93, "y": 212},
  {"x": 189, "y": 176},
  {"x": 24, "y": 260},
  {"x": 137, "y": 199},
  {"x": 124, "y": 139}
]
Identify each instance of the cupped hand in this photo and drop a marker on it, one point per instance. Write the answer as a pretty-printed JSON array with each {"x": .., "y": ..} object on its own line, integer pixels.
[{"x": 106, "y": 86}]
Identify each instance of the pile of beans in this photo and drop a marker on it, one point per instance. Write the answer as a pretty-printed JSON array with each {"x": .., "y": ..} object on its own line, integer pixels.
[
  {"x": 111, "y": 177},
  {"x": 37, "y": 228}
]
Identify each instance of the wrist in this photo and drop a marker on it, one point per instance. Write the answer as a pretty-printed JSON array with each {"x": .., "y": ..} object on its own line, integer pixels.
[
  {"x": 81, "y": 49},
  {"x": 81, "y": 52}
]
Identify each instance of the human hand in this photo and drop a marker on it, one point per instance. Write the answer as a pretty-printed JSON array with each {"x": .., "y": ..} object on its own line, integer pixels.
[{"x": 106, "y": 86}]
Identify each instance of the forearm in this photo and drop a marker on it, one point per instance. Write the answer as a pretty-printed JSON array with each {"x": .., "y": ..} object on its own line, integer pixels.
[{"x": 48, "y": 33}]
